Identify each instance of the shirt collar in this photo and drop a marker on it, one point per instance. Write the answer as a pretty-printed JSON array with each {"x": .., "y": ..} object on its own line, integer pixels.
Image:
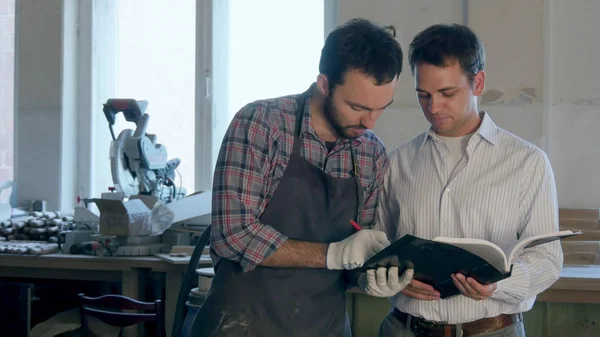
[
  {"x": 307, "y": 127},
  {"x": 487, "y": 130}
]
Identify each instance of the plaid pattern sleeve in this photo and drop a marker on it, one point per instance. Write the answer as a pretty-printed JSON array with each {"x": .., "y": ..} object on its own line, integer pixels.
[{"x": 239, "y": 189}]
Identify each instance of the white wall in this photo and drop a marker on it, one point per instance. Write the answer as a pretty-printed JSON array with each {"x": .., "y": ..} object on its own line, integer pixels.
[
  {"x": 7, "y": 79},
  {"x": 575, "y": 100},
  {"x": 403, "y": 120},
  {"x": 542, "y": 67},
  {"x": 543, "y": 75},
  {"x": 38, "y": 98},
  {"x": 45, "y": 103}
]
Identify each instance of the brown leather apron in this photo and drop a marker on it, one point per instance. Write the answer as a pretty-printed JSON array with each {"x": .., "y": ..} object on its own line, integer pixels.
[{"x": 308, "y": 205}]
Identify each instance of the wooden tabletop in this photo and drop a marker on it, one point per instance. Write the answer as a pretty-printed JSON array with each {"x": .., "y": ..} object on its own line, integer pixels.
[
  {"x": 71, "y": 261},
  {"x": 91, "y": 262},
  {"x": 577, "y": 284}
]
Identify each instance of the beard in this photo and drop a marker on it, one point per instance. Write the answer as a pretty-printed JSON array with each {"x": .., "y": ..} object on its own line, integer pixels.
[{"x": 331, "y": 114}]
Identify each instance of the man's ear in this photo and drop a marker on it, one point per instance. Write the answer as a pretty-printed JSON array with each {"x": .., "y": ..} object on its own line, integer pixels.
[
  {"x": 323, "y": 85},
  {"x": 479, "y": 83}
]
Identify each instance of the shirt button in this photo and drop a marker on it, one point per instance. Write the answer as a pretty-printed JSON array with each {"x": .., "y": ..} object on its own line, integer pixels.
[{"x": 448, "y": 190}]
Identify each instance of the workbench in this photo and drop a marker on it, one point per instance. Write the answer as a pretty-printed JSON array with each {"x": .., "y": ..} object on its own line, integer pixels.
[
  {"x": 571, "y": 305},
  {"x": 129, "y": 271}
]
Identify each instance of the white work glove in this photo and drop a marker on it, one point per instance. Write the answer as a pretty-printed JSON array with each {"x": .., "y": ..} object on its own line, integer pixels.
[
  {"x": 378, "y": 284},
  {"x": 355, "y": 250}
]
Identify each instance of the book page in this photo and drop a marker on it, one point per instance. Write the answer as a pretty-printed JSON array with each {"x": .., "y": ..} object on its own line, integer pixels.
[
  {"x": 537, "y": 240},
  {"x": 482, "y": 248},
  {"x": 508, "y": 248}
]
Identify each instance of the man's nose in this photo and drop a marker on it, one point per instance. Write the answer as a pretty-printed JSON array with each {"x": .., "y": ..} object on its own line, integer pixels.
[
  {"x": 435, "y": 105},
  {"x": 369, "y": 119}
]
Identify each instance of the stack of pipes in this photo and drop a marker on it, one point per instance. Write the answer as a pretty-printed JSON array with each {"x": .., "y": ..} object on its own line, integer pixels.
[{"x": 37, "y": 226}]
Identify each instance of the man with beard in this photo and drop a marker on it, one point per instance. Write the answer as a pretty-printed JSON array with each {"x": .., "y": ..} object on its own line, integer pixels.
[{"x": 291, "y": 174}]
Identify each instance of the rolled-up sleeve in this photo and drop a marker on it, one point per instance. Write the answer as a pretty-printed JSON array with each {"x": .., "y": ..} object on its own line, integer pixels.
[{"x": 239, "y": 189}]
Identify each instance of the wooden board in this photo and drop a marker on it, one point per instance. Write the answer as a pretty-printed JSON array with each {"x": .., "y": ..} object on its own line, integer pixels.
[
  {"x": 579, "y": 218},
  {"x": 586, "y": 235},
  {"x": 83, "y": 262},
  {"x": 580, "y": 224},
  {"x": 581, "y": 252},
  {"x": 579, "y": 213}
]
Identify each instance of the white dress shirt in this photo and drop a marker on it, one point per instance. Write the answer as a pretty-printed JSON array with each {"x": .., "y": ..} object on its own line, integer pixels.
[{"x": 503, "y": 188}]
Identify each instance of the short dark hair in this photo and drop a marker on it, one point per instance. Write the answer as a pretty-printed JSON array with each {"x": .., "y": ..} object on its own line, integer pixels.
[
  {"x": 361, "y": 45},
  {"x": 441, "y": 44}
]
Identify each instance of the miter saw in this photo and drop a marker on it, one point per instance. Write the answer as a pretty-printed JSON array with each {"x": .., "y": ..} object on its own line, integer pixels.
[{"x": 138, "y": 164}]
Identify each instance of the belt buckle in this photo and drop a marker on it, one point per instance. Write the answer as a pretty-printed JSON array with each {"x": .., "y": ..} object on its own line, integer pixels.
[
  {"x": 433, "y": 328},
  {"x": 433, "y": 324}
]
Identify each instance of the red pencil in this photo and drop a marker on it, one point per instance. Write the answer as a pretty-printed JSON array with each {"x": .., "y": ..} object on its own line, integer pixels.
[{"x": 355, "y": 225}]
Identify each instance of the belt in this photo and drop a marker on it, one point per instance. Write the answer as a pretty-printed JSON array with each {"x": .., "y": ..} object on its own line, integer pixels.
[{"x": 423, "y": 328}]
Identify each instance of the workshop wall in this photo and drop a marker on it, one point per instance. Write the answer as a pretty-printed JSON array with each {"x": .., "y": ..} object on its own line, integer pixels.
[
  {"x": 574, "y": 116},
  {"x": 7, "y": 70},
  {"x": 542, "y": 80},
  {"x": 542, "y": 77}
]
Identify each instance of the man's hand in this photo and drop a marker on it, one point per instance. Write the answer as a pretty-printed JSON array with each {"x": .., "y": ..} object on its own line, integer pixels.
[
  {"x": 384, "y": 282},
  {"x": 355, "y": 250},
  {"x": 473, "y": 289},
  {"x": 421, "y": 291}
]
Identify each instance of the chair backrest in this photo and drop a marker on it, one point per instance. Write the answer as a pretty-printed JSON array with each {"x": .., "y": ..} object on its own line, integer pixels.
[
  {"x": 186, "y": 283},
  {"x": 114, "y": 315}
]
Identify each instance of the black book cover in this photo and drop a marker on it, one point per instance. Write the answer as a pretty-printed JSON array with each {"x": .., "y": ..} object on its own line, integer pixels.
[{"x": 434, "y": 263}]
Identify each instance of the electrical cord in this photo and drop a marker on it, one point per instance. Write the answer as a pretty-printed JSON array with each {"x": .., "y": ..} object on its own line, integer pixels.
[{"x": 180, "y": 182}]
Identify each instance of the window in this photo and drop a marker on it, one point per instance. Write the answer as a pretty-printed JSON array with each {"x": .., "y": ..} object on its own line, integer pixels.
[
  {"x": 196, "y": 67},
  {"x": 262, "y": 49},
  {"x": 154, "y": 48},
  {"x": 7, "y": 79},
  {"x": 156, "y": 41}
]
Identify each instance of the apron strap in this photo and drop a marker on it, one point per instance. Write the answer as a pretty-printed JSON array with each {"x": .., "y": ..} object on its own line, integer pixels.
[
  {"x": 355, "y": 171},
  {"x": 359, "y": 190},
  {"x": 299, "y": 116}
]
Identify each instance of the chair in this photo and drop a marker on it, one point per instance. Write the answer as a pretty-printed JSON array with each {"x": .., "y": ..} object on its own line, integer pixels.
[{"x": 92, "y": 306}]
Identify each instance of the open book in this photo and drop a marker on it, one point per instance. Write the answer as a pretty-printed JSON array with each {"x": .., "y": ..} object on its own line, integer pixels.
[{"x": 435, "y": 260}]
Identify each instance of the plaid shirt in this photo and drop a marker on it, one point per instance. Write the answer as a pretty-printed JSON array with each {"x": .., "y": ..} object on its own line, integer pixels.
[{"x": 251, "y": 162}]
